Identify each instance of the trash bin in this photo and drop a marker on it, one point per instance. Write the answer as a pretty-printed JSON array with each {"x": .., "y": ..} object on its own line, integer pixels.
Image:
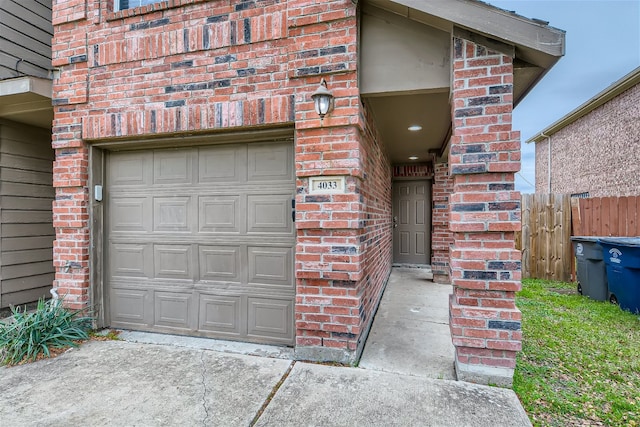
[
  {"x": 592, "y": 275},
  {"x": 622, "y": 259}
]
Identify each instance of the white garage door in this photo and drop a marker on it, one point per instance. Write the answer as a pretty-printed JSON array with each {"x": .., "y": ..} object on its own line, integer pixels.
[{"x": 200, "y": 241}]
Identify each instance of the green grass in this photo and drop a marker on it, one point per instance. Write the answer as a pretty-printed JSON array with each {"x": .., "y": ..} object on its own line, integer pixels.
[{"x": 580, "y": 362}]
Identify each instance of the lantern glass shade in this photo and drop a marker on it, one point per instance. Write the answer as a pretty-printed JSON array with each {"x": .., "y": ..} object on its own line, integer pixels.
[
  {"x": 322, "y": 105},
  {"x": 322, "y": 99}
]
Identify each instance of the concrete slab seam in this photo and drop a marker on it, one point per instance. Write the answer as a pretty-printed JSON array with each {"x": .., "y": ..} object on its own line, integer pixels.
[
  {"x": 272, "y": 394},
  {"x": 204, "y": 389},
  {"x": 405, "y": 374},
  {"x": 437, "y": 323},
  {"x": 207, "y": 344}
]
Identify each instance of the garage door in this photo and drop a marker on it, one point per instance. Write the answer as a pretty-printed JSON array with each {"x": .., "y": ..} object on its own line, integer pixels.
[{"x": 200, "y": 241}]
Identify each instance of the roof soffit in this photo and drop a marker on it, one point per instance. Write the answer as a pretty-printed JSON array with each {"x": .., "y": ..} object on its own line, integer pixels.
[{"x": 534, "y": 42}]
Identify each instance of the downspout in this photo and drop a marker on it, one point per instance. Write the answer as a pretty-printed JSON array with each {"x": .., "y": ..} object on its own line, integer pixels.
[{"x": 548, "y": 161}]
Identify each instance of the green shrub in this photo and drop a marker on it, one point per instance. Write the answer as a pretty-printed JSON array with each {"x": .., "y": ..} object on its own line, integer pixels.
[{"x": 49, "y": 326}]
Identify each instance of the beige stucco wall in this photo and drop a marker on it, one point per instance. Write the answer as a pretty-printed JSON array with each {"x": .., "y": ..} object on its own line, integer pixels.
[
  {"x": 599, "y": 153},
  {"x": 542, "y": 166}
]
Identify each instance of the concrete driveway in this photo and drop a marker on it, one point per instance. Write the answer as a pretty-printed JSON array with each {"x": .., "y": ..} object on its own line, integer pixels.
[{"x": 119, "y": 383}]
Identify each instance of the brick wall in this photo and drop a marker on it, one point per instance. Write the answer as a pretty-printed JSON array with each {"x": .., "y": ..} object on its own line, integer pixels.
[
  {"x": 441, "y": 235},
  {"x": 329, "y": 254},
  {"x": 413, "y": 170},
  {"x": 344, "y": 240},
  {"x": 377, "y": 238},
  {"x": 187, "y": 67},
  {"x": 484, "y": 213},
  {"x": 597, "y": 153},
  {"x": 157, "y": 70}
]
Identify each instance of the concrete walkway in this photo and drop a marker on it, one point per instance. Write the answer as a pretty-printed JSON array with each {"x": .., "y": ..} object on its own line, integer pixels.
[
  {"x": 163, "y": 380},
  {"x": 119, "y": 383},
  {"x": 410, "y": 333}
]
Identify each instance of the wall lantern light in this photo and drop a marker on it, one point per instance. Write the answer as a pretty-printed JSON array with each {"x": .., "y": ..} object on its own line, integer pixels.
[{"x": 322, "y": 99}]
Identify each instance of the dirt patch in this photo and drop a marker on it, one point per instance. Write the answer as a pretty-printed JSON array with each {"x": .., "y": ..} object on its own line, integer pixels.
[
  {"x": 564, "y": 291},
  {"x": 104, "y": 335},
  {"x": 53, "y": 352}
]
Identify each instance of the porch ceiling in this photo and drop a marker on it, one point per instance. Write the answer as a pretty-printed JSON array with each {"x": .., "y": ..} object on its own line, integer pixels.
[
  {"x": 395, "y": 113},
  {"x": 405, "y": 56},
  {"x": 27, "y": 100}
]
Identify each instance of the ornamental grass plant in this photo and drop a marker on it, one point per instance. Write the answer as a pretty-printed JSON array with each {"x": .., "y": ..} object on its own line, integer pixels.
[{"x": 30, "y": 335}]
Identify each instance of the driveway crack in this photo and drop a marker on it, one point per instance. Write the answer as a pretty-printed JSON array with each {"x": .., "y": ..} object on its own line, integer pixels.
[
  {"x": 204, "y": 389},
  {"x": 272, "y": 394}
]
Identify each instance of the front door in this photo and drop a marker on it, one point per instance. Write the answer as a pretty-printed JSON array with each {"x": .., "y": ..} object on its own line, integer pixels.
[{"x": 411, "y": 219}]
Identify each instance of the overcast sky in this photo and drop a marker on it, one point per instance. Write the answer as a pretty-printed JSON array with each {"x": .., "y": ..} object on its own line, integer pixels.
[{"x": 602, "y": 45}]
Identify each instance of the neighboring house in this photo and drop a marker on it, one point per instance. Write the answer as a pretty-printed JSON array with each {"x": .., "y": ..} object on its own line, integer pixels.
[
  {"x": 594, "y": 151},
  {"x": 187, "y": 142},
  {"x": 26, "y": 156}
]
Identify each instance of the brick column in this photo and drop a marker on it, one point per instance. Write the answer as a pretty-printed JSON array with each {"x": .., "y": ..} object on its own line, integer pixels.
[
  {"x": 330, "y": 254},
  {"x": 71, "y": 165},
  {"x": 484, "y": 214},
  {"x": 441, "y": 236}
]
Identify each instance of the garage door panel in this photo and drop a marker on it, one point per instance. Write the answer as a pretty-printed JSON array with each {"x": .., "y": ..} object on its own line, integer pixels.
[
  {"x": 220, "y": 263},
  {"x": 130, "y": 169},
  {"x": 129, "y": 306},
  {"x": 222, "y": 164},
  {"x": 173, "y": 167},
  {"x": 221, "y": 314},
  {"x": 173, "y": 310},
  {"x": 220, "y": 214},
  {"x": 270, "y": 162},
  {"x": 271, "y": 318},
  {"x": 130, "y": 260},
  {"x": 130, "y": 214},
  {"x": 173, "y": 262},
  {"x": 271, "y": 266},
  {"x": 173, "y": 214},
  {"x": 269, "y": 214}
]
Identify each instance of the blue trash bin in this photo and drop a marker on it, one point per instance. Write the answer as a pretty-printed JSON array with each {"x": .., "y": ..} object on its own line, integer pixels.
[
  {"x": 622, "y": 259},
  {"x": 592, "y": 275}
]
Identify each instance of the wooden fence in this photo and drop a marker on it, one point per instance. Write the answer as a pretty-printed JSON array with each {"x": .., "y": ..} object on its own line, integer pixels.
[
  {"x": 549, "y": 221},
  {"x": 545, "y": 239},
  {"x": 607, "y": 216}
]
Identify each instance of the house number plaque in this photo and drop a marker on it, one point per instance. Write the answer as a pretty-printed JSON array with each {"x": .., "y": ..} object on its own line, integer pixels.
[{"x": 327, "y": 184}]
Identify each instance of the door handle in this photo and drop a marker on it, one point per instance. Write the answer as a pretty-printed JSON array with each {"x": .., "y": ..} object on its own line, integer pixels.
[{"x": 395, "y": 221}]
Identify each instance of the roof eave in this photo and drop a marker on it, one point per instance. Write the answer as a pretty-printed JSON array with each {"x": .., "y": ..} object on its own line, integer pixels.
[
  {"x": 496, "y": 23},
  {"x": 615, "y": 89}
]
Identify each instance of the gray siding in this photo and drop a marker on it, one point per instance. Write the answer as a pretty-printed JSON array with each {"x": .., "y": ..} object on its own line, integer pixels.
[
  {"x": 26, "y": 229},
  {"x": 25, "y": 38}
]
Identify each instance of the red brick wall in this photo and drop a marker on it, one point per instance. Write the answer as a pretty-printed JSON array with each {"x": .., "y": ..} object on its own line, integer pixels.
[
  {"x": 414, "y": 170},
  {"x": 329, "y": 255},
  {"x": 441, "y": 235},
  {"x": 484, "y": 213},
  {"x": 344, "y": 241},
  {"x": 188, "y": 66},
  {"x": 377, "y": 237}
]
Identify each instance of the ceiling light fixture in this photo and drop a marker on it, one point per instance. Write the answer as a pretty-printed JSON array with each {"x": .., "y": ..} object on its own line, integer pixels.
[
  {"x": 415, "y": 128},
  {"x": 413, "y": 158}
]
